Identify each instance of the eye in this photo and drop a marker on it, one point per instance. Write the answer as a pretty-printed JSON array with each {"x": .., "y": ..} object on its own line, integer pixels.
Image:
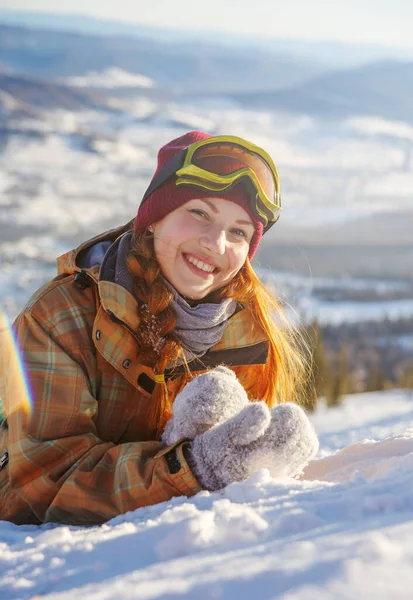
[
  {"x": 239, "y": 233},
  {"x": 199, "y": 212}
]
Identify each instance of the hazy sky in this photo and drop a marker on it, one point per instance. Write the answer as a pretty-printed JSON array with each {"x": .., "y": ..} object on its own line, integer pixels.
[{"x": 380, "y": 21}]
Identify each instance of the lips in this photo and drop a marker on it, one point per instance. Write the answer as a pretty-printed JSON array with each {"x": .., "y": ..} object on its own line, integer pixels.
[{"x": 199, "y": 265}]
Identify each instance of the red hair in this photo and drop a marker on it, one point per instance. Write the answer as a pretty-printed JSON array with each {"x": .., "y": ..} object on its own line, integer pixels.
[{"x": 281, "y": 379}]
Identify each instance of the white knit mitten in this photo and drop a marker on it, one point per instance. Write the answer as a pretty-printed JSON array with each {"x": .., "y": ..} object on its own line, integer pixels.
[
  {"x": 207, "y": 400},
  {"x": 282, "y": 441}
]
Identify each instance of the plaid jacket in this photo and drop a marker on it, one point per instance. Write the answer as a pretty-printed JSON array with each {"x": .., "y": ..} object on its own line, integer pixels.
[{"x": 81, "y": 454}]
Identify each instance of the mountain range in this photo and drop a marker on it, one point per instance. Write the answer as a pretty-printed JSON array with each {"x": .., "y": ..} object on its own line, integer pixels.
[
  {"x": 181, "y": 66},
  {"x": 43, "y": 60},
  {"x": 383, "y": 89},
  {"x": 330, "y": 53}
]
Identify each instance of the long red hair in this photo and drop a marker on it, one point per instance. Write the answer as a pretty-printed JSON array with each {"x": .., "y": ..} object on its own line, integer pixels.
[{"x": 281, "y": 379}]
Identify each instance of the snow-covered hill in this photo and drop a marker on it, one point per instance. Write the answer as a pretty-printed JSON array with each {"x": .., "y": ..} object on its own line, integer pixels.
[
  {"x": 342, "y": 531},
  {"x": 67, "y": 176}
]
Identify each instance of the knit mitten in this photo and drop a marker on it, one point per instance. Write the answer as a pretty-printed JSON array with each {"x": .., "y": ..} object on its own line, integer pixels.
[
  {"x": 282, "y": 441},
  {"x": 206, "y": 400}
]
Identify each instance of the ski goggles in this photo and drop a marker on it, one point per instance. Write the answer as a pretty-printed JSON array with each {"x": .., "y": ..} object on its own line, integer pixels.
[{"x": 218, "y": 163}]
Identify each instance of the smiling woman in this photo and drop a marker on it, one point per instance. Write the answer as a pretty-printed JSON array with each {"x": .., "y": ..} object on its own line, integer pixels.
[
  {"x": 202, "y": 245},
  {"x": 125, "y": 350}
]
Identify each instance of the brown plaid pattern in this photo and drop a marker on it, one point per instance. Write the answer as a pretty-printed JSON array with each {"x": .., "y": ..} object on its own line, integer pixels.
[{"x": 82, "y": 456}]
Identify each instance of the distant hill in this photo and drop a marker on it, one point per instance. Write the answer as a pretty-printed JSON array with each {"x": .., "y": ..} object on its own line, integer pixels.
[
  {"x": 81, "y": 23},
  {"x": 256, "y": 78},
  {"x": 384, "y": 89},
  {"x": 331, "y": 53},
  {"x": 181, "y": 66},
  {"x": 28, "y": 95}
]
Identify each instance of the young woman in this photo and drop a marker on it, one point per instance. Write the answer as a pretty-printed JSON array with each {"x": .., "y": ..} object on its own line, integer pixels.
[{"x": 145, "y": 314}]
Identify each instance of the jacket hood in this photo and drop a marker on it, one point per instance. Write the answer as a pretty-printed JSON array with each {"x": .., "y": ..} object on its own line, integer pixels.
[{"x": 88, "y": 257}]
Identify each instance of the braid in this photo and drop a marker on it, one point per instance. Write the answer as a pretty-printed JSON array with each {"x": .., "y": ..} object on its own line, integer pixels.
[{"x": 157, "y": 343}]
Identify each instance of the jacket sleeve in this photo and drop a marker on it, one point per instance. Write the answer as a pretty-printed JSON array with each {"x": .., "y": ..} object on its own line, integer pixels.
[{"x": 58, "y": 466}]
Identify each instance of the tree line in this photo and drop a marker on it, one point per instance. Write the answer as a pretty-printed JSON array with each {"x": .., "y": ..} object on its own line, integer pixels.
[{"x": 354, "y": 358}]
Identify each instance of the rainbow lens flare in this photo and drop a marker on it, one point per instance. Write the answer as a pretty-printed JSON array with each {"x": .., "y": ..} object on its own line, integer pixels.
[{"x": 12, "y": 374}]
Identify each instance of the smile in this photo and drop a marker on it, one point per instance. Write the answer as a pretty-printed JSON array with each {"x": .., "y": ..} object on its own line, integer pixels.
[{"x": 199, "y": 264}]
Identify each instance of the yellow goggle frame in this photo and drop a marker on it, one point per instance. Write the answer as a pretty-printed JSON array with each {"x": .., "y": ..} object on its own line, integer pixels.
[{"x": 267, "y": 208}]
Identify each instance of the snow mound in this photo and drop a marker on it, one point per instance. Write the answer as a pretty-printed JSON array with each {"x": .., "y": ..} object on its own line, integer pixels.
[{"x": 343, "y": 530}]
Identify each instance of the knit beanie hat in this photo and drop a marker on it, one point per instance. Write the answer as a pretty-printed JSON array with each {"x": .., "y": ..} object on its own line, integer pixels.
[{"x": 169, "y": 196}]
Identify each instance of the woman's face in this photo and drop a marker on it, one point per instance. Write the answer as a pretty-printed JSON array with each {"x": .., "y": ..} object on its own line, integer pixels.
[{"x": 202, "y": 245}]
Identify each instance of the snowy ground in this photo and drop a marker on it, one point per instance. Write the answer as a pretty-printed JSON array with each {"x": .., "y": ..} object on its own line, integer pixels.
[
  {"x": 69, "y": 176},
  {"x": 342, "y": 531}
]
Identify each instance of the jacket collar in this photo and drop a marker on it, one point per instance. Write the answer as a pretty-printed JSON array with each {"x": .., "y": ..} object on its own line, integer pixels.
[
  {"x": 103, "y": 260},
  {"x": 85, "y": 257}
]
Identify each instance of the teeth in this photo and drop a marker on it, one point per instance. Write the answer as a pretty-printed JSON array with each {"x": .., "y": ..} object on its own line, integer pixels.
[{"x": 201, "y": 265}]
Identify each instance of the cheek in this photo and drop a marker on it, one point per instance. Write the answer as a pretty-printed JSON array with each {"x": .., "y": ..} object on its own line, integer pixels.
[
  {"x": 236, "y": 262},
  {"x": 239, "y": 257},
  {"x": 171, "y": 234},
  {"x": 168, "y": 239},
  {"x": 165, "y": 252}
]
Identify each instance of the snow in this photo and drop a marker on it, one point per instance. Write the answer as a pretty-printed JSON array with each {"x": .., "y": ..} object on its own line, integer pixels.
[
  {"x": 111, "y": 77},
  {"x": 354, "y": 312},
  {"x": 378, "y": 126},
  {"x": 342, "y": 530},
  {"x": 77, "y": 174},
  {"x": 401, "y": 183},
  {"x": 302, "y": 295}
]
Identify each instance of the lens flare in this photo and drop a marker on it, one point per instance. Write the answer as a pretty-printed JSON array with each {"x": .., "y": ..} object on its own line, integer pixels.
[{"x": 12, "y": 371}]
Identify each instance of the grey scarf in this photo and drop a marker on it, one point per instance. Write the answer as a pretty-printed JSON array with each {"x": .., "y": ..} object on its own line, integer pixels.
[{"x": 200, "y": 327}]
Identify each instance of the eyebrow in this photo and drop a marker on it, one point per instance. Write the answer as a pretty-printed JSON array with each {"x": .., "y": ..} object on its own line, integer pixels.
[
  {"x": 215, "y": 210},
  {"x": 241, "y": 222}
]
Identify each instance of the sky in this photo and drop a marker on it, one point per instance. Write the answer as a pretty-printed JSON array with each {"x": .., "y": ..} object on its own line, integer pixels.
[{"x": 387, "y": 22}]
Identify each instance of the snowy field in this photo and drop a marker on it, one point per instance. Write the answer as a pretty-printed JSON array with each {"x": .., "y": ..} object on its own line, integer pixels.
[
  {"x": 341, "y": 531},
  {"x": 65, "y": 177}
]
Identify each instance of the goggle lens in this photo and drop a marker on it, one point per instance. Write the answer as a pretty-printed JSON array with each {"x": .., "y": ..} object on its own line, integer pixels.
[{"x": 224, "y": 159}]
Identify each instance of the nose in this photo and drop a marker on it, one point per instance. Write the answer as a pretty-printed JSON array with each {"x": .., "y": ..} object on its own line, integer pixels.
[{"x": 214, "y": 240}]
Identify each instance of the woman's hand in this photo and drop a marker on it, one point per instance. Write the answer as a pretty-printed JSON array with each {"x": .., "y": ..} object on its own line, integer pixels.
[
  {"x": 207, "y": 400},
  {"x": 282, "y": 441}
]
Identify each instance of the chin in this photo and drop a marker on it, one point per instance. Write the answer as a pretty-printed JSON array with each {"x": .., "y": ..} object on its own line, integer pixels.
[
  {"x": 194, "y": 295},
  {"x": 191, "y": 295}
]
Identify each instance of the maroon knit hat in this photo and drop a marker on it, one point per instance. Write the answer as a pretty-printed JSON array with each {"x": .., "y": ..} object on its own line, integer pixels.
[{"x": 168, "y": 196}]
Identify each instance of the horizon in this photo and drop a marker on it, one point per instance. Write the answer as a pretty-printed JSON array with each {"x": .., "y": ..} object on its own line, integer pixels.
[{"x": 389, "y": 27}]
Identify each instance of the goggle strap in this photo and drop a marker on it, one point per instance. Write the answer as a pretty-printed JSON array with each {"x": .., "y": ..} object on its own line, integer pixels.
[
  {"x": 167, "y": 171},
  {"x": 269, "y": 225}
]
